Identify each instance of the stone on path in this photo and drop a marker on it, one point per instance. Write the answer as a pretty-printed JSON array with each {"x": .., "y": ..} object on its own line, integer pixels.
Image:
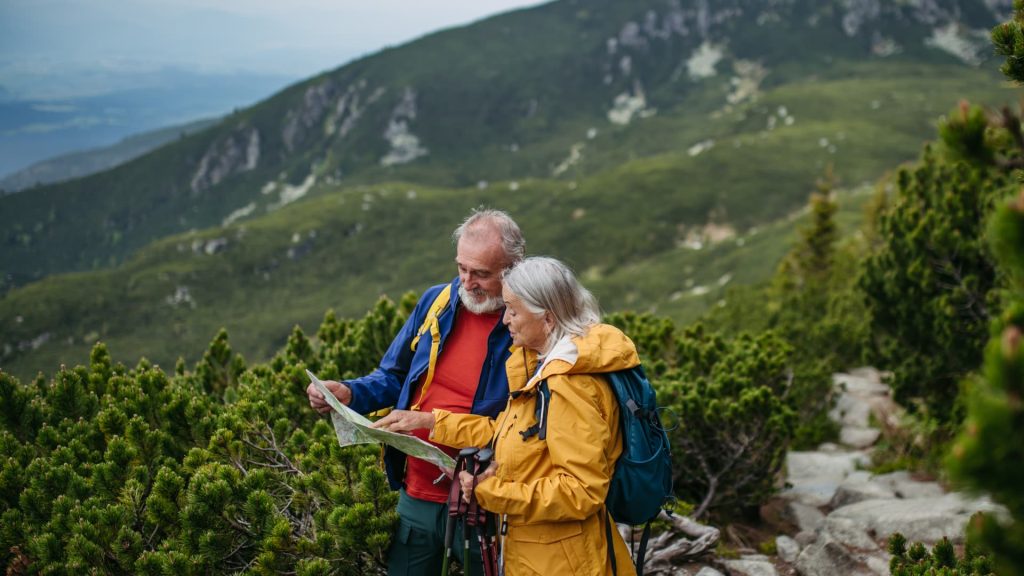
[
  {"x": 787, "y": 548},
  {"x": 857, "y": 437},
  {"x": 829, "y": 557},
  {"x": 807, "y": 518},
  {"x": 845, "y": 513},
  {"x": 904, "y": 486},
  {"x": 815, "y": 476},
  {"x": 850, "y": 533},
  {"x": 920, "y": 519},
  {"x": 858, "y": 487},
  {"x": 752, "y": 565}
]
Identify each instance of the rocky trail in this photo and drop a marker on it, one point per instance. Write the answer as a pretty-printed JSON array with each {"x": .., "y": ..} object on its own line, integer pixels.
[{"x": 840, "y": 513}]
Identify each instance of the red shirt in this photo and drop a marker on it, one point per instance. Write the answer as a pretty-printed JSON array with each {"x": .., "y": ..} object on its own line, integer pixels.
[{"x": 455, "y": 381}]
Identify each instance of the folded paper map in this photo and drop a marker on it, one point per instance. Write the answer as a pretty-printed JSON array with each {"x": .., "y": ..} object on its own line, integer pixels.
[{"x": 353, "y": 428}]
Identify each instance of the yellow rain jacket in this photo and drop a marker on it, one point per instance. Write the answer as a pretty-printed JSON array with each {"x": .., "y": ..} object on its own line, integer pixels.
[{"x": 552, "y": 491}]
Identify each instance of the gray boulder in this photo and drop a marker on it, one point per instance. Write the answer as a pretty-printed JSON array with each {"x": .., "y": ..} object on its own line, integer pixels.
[
  {"x": 858, "y": 490},
  {"x": 754, "y": 565},
  {"x": 807, "y": 518},
  {"x": 859, "y": 437},
  {"x": 920, "y": 519},
  {"x": 850, "y": 533},
  {"x": 787, "y": 548},
  {"x": 815, "y": 476},
  {"x": 904, "y": 486},
  {"x": 828, "y": 557}
]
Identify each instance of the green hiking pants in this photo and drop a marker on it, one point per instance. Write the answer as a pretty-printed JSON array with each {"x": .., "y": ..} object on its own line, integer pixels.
[{"x": 417, "y": 548}]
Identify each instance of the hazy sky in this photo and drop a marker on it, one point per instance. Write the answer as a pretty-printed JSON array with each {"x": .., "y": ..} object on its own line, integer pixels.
[{"x": 53, "y": 46}]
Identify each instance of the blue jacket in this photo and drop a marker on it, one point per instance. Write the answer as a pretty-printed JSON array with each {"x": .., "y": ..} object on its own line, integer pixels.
[{"x": 395, "y": 380}]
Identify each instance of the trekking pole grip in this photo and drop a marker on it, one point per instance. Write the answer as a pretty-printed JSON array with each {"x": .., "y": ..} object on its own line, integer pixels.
[{"x": 482, "y": 460}]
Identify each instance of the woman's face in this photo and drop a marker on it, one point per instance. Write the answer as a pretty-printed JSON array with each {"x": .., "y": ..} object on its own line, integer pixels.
[{"x": 528, "y": 329}]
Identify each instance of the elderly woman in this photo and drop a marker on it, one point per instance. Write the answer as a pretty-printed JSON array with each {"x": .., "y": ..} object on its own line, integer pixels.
[{"x": 549, "y": 492}]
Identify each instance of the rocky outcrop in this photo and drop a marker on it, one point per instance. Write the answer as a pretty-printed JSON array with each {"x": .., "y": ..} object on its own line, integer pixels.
[
  {"x": 301, "y": 120},
  {"x": 330, "y": 106},
  {"x": 239, "y": 151},
  {"x": 349, "y": 109},
  {"x": 405, "y": 146}
]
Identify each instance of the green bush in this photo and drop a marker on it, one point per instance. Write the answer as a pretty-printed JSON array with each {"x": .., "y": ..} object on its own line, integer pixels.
[
  {"x": 813, "y": 305},
  {"x": 735, "y": 421},
  {"x": 222, "y": 469},
  {"x": 942, "y": 560},
  {"x": 930, "y": 284},
  {"x": 727, "y": 405},
  {"x": 988, "y": 454}
]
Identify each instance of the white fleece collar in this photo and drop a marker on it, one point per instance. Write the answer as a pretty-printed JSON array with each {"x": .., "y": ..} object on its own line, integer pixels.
[{"x": 564, "y": 350}]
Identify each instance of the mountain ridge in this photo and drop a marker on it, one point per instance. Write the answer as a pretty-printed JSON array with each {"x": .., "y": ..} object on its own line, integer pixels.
[
  {"x": 736, "y": 151},
  {"x": 458, "y": 107}
]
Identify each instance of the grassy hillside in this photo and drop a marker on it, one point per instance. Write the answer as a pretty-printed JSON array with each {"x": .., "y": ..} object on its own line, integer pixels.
[
  {"x": 631, "y": 230},
  {"x": 627, "y": 228},
  {"x": 320, "y": 223},
  {"x": 513, "y": 97},
  {"x": 339, "y": 251}
]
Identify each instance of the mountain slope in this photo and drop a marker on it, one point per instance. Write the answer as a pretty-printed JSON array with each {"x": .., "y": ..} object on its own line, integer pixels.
[
  {"x": 509, "y": 97},
  {"x": 665, "y": 233},
  {"x": 657, "y": 213}
]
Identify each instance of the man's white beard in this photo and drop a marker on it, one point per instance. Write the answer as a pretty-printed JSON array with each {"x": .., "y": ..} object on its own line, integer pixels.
[{"x": 490, "y": 303}]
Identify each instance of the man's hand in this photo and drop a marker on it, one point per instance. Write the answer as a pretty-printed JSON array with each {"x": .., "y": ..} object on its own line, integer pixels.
[
  {"x": 405, "y": 421},
  {"x": 466, "y": 479},
  {"x": 317, "y": 401}
]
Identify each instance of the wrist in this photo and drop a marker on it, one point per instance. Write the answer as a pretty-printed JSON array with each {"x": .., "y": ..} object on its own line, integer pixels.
[{"x": 344, "y": 393}]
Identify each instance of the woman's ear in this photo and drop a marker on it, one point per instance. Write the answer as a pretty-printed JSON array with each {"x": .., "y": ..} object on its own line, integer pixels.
[{"x": 549, "y": 321}]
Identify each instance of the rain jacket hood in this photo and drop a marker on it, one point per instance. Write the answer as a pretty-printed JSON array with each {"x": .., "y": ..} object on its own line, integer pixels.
[{"x": 602, "y": 349}]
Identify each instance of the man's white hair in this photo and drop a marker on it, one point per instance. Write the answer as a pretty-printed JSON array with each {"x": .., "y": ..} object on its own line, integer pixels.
[{"x": 482, "y": 219}]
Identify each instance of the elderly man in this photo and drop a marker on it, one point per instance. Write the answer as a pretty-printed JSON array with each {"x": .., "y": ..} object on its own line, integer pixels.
[{"x": 450, "y": 354}]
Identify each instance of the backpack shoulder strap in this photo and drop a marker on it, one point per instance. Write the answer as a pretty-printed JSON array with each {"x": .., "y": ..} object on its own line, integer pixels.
[
  {"x": 430, "y": 323},
  {"x": 631, "y": 382},
  {"x": 435, "y": 310},
  {"x": 540, "y": 427}
]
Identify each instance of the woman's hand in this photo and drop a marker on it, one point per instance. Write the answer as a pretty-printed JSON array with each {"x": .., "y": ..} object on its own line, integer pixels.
[
  {"x": 467, "y": 482},
  {"x": 405, "y": 421}
]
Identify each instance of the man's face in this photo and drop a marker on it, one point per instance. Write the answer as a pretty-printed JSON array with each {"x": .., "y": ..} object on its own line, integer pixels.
[{"x": 480, "y": 259}]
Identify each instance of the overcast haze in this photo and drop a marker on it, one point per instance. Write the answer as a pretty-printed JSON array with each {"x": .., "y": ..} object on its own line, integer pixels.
[
  {"x": 68, "y": 48},
  {"x": 81, "y": 74}
]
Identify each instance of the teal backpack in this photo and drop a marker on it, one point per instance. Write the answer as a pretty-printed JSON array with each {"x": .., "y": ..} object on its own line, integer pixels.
[{"x": 642, "y": 482}]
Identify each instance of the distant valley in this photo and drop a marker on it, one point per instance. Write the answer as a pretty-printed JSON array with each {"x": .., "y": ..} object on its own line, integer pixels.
[
  {"x": 79, "y": 164},
  {"x": 43, "y": 126}
]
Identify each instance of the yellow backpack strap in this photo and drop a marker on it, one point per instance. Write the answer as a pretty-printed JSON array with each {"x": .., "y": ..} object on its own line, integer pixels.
[
  {"x": 435, "y": 310},
  {"x": 430, "y": 323}
]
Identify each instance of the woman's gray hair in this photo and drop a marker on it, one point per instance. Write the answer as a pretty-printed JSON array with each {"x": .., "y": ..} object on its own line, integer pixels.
[
  {"x": 545, "y": 284},
  {"x": 511, "y": 237}
]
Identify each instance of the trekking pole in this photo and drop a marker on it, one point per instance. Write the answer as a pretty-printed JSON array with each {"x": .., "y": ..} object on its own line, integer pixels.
[
  {"x": 462, "y": 507},
  {"x": 455, "y": 505},
  {"x": 478, "y": 517}
]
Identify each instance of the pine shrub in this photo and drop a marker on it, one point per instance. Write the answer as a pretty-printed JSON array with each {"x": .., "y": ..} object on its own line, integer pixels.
[
  {"x": 942, "y": 560},
  {"x": 221, "y": 469}
]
